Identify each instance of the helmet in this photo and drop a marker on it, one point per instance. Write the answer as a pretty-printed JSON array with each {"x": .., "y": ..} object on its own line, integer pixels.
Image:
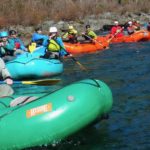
[
  {"x": 116, "y": 22},
  {"x": 3, "y": 34},
  {"x": 130, "y": 22},
  {"x": 87, "y": 26},
  {"x": 53, "y": 30},
  {"x": 12, "y": 32},
  {"x": 70, "y": 27}
]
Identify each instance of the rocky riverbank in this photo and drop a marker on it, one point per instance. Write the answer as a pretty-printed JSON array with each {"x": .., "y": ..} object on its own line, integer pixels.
[{"x": 96, "y": 21}]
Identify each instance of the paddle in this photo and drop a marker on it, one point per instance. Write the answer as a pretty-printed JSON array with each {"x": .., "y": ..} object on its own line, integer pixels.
[
  {"x": 74, "y": 59},
  {"x": 77, "y": 62},
  {"x": 110, "y": 39},
  {"x": 95, "y": 40},
  {"x": 36, "y": 82}
]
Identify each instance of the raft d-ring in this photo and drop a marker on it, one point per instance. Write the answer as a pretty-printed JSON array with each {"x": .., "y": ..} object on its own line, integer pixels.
[{"x": 70, "y": 98}]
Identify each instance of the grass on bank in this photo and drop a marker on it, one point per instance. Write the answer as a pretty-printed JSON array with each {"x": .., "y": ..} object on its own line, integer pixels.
[{"x": 32, "y": 12}]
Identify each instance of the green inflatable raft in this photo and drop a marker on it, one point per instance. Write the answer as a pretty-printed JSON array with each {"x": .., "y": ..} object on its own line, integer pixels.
[{"x": 28, "y": 121}]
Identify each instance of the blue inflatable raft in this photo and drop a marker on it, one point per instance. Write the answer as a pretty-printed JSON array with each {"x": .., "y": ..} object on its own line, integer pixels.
[{"x": 29, "y": 66}]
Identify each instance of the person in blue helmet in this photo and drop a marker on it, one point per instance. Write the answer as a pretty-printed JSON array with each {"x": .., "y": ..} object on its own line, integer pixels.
[
  {"x": 17, "y": 41},
  {"x": 39, "y": 38},
  {"x": 7, "y": 48},
  {"x": 55, "y": 46}
]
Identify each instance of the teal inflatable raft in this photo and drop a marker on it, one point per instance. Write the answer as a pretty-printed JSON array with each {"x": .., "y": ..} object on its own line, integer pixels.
[
  {"x": 33, "y": 121},
  {"x": 31, "y": 67}
]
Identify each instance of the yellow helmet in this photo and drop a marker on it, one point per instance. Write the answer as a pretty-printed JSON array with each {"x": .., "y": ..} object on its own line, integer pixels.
[{"x": 70, "y": 27}]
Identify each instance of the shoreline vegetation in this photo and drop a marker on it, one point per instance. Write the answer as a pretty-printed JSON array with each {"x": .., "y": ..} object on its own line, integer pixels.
[{"x": 24, "y": 15}]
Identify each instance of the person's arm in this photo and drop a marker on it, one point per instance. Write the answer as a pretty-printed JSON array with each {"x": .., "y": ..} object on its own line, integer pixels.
[
  {"x": 5, "y": 73},
  {"x": 45, "y": 41},
  {"x": 65, "y": 36},
  {"x": 10, "y": 45},
  {"x": 113, "y": 30},
  {"x": 63, "y": 51},
  {"x": 22, "y": 46},
  {"x": 92, "y": 34}
]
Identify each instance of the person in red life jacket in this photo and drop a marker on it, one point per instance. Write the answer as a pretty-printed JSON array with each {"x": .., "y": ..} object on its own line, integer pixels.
[
  {"x": 117, "y": 30},
  {"x": 17, "y": 41},
  {"x": 130, "y": 28}
]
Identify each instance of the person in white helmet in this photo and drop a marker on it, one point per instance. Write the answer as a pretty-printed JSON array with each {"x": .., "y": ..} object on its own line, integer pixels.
[
  {"x": 117, "y": 30},
  {"x": 55, "y": 46},
  {"x": 130, "y": 28}
]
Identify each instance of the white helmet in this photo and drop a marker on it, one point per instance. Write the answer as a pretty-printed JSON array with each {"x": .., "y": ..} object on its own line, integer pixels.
[
  {"x": 116, "y": 22},
  {"x": 130, "y": 22},
  {"x": 53, "y": 30}
]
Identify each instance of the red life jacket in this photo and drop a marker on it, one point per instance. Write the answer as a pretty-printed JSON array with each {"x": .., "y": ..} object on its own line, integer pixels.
[
  {"x": 17, "y": 45},
  {"x": 115, "y": 30}
]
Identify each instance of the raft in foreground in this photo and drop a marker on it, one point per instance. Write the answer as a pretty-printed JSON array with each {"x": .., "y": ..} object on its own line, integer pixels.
[{"x": 54, "y": 116}]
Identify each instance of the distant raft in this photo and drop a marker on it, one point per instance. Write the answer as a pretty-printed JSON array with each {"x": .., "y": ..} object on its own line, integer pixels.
[
  {"x": 29, "y": 67},
  {"x": 46, "y": 119},
  {"x": 141, "y": 35}
]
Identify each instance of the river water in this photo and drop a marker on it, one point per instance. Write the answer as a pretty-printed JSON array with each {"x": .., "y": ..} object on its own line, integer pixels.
[{"x": 126, "y": 70}]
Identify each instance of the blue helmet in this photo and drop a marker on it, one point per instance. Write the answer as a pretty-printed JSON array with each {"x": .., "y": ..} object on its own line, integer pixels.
[{"x": 3, "y": 34}]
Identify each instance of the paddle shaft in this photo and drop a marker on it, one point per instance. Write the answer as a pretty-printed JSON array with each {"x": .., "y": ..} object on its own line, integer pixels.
[
  {"x": 95, "y": 40},
  {"x": 115, "y": 35},
  {"x": 36, "y": 82},
  {"x": 77, "y": 62},
  {"x": 74, "y": 59}
]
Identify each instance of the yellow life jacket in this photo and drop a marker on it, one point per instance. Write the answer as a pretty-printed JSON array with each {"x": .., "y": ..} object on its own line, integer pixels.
[
  {"x": 91, "y": 34},
  {"x": 53, "y": 46},
  {"x": 32, "y": 47},
  {"x": 73, "y": 32}
]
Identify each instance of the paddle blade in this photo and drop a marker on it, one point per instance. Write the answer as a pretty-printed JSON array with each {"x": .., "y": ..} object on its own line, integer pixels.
[{"x": 42, "y": 82}]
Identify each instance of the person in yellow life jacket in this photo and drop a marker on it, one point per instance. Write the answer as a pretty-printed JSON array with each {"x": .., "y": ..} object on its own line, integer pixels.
[
  {"x": 89, "y": 33},
  {"x": 70, "y": 35},
  {"x": 55, "y": 47}
]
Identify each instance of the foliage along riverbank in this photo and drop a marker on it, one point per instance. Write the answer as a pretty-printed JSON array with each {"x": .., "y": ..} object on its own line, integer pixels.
[
  {"x": 32, "y": 12},
  {"x": 23, "y": 16},
  {"x": 96, "y": 21}
]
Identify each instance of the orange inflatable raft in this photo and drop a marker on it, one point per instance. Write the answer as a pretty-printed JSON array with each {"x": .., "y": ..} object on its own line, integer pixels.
[
  {"x": 78, "y": 48},
  {"x": 142, "y": 35}
]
